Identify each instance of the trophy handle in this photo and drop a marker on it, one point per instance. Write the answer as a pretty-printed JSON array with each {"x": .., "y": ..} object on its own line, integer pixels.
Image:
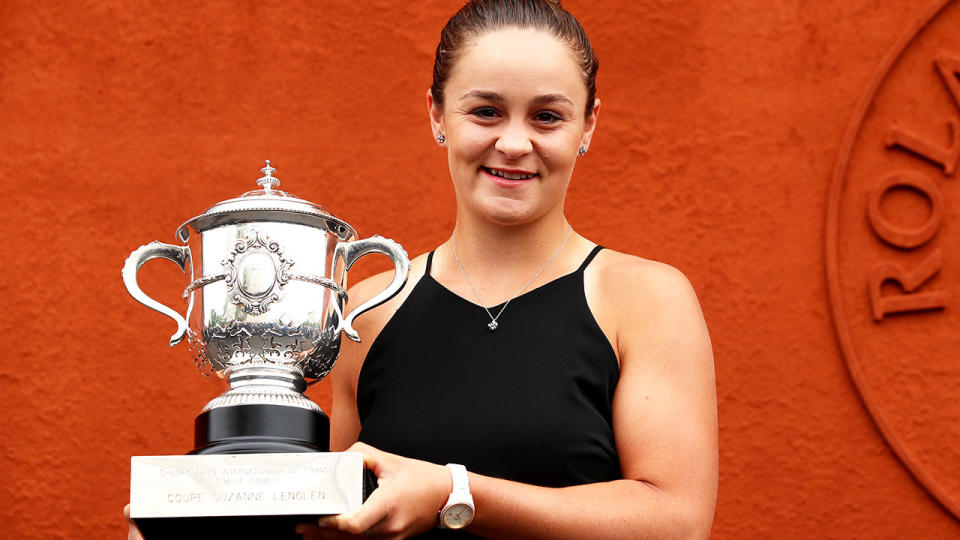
[
  {"x": 351, "y": 251},
  {"x": 154, "y": 250}
]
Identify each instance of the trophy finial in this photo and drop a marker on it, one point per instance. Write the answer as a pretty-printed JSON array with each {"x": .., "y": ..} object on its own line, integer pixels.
[{"x": 268, "y": 181}]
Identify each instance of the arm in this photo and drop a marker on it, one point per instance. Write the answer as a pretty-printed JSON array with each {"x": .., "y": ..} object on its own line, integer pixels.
[
  {"x": 665, "y": 422},
  {"x": 664, "y": 419}
]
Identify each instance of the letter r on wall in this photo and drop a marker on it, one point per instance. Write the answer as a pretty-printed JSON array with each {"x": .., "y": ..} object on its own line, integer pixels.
[{"x": 909, "y": 282}]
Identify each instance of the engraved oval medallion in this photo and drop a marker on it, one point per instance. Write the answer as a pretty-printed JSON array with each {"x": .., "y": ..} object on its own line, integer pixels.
[
  {"x": 892, "y": 246},
  {"x": 256, "y": 274}
]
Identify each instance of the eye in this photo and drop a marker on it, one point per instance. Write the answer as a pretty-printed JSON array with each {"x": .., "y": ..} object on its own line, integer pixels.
[
  {"x": 547, "y": 117},
  {"x": 484, "y": 112}
]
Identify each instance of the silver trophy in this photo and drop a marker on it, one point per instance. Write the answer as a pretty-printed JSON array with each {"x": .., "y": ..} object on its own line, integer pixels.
[{"x": 265, "y": 310}]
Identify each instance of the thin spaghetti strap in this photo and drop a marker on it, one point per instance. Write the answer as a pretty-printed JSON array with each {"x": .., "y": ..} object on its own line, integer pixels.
[
  {"x": 429, "y": 263},
  {"x": 593, "y": 253}
]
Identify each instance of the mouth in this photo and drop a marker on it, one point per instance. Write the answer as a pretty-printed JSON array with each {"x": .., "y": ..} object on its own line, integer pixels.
[{"x": 509, "y": 175}]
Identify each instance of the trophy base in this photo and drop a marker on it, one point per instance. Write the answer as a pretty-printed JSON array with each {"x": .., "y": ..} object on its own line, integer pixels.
[
  {"x": 248, "y": 429},
  {"x": 260, "y": 429},
  {"x": 232, "y": 527}
]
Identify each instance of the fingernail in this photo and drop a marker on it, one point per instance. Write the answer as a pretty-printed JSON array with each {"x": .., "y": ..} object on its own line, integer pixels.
[{"x": 326, "y": 521}]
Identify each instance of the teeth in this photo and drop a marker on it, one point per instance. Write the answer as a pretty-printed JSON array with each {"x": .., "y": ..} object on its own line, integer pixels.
[{"x": 509, "y": 176}]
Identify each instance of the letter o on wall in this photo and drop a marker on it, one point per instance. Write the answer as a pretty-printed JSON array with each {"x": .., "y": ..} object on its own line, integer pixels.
[{"x": 897, "y": 235}]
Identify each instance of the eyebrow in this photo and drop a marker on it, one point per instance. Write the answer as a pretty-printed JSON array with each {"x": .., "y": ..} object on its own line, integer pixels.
[{"x": 545, "y": 99}]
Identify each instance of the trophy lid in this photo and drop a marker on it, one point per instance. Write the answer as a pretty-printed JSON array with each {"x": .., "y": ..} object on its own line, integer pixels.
[{"x": 267, "y": 204}]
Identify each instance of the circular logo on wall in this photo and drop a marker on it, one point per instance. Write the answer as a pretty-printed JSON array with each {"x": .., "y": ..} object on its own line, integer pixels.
[{"x": 893, "y": 250}]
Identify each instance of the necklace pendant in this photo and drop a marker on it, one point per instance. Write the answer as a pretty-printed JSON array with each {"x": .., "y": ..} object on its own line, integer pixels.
[{"x": 493, "y": 325}]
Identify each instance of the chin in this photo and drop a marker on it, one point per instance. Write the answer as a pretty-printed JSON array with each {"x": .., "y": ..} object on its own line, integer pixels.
[{"x": 508, "y": 212}]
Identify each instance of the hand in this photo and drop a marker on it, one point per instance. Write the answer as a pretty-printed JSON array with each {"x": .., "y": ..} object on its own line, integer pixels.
[
  {"x": 133, "y": 532},
  {"x": 408, "y": 498}
]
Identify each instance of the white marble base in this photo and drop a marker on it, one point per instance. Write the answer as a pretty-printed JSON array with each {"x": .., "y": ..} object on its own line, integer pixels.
[{"x": 245, "y": 484}]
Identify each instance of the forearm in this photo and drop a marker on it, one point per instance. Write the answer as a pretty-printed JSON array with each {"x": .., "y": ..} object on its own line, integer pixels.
[{"x": 618, "y": 509}]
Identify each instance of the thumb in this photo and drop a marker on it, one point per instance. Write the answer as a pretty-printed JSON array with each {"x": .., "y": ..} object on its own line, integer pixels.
[{"x": 373, "y": 459}]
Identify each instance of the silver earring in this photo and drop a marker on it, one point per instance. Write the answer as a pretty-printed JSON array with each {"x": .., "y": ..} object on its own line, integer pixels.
[
  {"x": 582, "y": 150},
  {"x": 440, "y": 138}
]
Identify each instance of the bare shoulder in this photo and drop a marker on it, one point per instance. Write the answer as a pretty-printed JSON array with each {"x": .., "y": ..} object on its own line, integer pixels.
[
  {"x": 645, "y": 304},
  {"x": 641, "y": 286}
]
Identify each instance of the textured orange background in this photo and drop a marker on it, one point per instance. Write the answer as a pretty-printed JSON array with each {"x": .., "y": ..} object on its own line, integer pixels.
[{"x": 720, "y": 125}]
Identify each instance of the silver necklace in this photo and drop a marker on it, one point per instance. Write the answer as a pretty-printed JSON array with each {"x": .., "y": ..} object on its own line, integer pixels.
[{"x": 493, "y": 324}]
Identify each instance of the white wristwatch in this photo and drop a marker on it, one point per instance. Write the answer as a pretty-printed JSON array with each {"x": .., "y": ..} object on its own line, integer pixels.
[{"x": 459, "y": 510}]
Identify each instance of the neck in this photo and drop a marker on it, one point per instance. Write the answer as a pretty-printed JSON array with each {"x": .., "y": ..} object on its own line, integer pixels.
[{"x": 507, "y": 253}]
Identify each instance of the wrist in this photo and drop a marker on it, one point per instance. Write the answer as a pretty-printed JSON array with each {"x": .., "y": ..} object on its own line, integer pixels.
[
  {"x": 444, "y": 486},
  {"x": 459, "y": 509}
]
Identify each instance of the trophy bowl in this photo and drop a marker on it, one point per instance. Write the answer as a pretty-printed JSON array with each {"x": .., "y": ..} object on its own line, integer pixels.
[{"x": 265, "y": 310}]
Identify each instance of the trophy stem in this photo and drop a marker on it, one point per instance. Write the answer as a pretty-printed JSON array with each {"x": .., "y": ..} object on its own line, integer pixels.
[
  {"x": 266, "y": 376},
  {"x": 264, "y": 385}
]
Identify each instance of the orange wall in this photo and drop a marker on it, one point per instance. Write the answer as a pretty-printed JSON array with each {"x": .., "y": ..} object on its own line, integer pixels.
[{"x": 721, "y": 126}]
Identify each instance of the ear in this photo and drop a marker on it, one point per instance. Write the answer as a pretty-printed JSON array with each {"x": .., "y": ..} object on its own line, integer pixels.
[
  {"x": 436, "y": 115},
  {"x": 590, "y": 124}
]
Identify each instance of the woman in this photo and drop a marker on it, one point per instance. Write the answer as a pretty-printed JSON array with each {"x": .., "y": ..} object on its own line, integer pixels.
[
  {"x": 582, "y": 398},
  {"x": 594, "y": 378}
]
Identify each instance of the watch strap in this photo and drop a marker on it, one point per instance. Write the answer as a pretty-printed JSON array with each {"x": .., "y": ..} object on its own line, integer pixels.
[
  {"x": 461, "y": 482},
  {"x": 459, "y": 494}
]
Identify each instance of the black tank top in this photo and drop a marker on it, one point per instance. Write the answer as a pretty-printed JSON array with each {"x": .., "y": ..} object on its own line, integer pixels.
[{"x": 530, "y": 402}]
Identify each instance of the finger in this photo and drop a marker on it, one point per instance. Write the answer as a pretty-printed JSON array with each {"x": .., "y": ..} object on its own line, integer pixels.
[
  {"x": 372, "y": 512},
  {"x": 312, "y": 532},
  {"x": 306, "y": 529},
  {"x": 360, "y": 447},
  {"x": 381, "y": 529},
  {"x": 373, "y": 458},
  {"x": 133, "y": 533},
  {"x": 326, "y": 528}
]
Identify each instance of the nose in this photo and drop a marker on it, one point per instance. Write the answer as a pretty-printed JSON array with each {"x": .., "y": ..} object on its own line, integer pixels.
[{"x": 514, "y": 141}]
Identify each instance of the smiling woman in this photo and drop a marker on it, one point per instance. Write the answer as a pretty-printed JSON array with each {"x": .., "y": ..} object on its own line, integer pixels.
[
  {"x": 569, "y": 389},
  {"x": 518, "y": 353}
]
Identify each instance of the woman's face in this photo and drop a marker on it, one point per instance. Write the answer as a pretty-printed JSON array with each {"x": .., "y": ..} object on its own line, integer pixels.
[{"x": 513, "y": 120}]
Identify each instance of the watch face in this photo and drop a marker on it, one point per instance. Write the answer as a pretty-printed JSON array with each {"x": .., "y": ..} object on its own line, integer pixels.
[{"x": 457, "y": 516}]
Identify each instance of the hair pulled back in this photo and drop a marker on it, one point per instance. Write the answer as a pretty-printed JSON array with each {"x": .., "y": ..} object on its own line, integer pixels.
[{"x": 478, "y": 17}]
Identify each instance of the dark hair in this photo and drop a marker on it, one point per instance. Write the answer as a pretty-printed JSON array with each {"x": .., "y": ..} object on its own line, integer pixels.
[{"x": 481, "y": 16}]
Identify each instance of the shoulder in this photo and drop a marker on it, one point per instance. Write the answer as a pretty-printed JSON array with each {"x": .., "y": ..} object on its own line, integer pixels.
[
  {"x": 625, "y": 270},
  {"x": 632, "y": 282},
  {"x": 646, "y": 304}
]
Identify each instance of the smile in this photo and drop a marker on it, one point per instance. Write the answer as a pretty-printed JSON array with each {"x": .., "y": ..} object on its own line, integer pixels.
[{"x": 509, "y": 175}]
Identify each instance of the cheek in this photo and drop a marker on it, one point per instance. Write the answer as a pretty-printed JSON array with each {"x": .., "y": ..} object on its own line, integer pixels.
[
  {"x": 558, "y": 157},
  {"x": 559, "y": 150},
  {"x": 474, "y": 140},
  {"x": 469, "y": 150}
]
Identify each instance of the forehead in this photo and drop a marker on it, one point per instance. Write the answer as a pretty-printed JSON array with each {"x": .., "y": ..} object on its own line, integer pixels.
[{"x": 517, "y": 61}]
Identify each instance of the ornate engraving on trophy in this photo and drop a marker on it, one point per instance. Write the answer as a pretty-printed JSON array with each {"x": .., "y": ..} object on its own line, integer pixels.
[
  {"x": 199, "y": 350},
  {"x": 234, "y": 343},
  {"x": 256, "y": 273}
]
